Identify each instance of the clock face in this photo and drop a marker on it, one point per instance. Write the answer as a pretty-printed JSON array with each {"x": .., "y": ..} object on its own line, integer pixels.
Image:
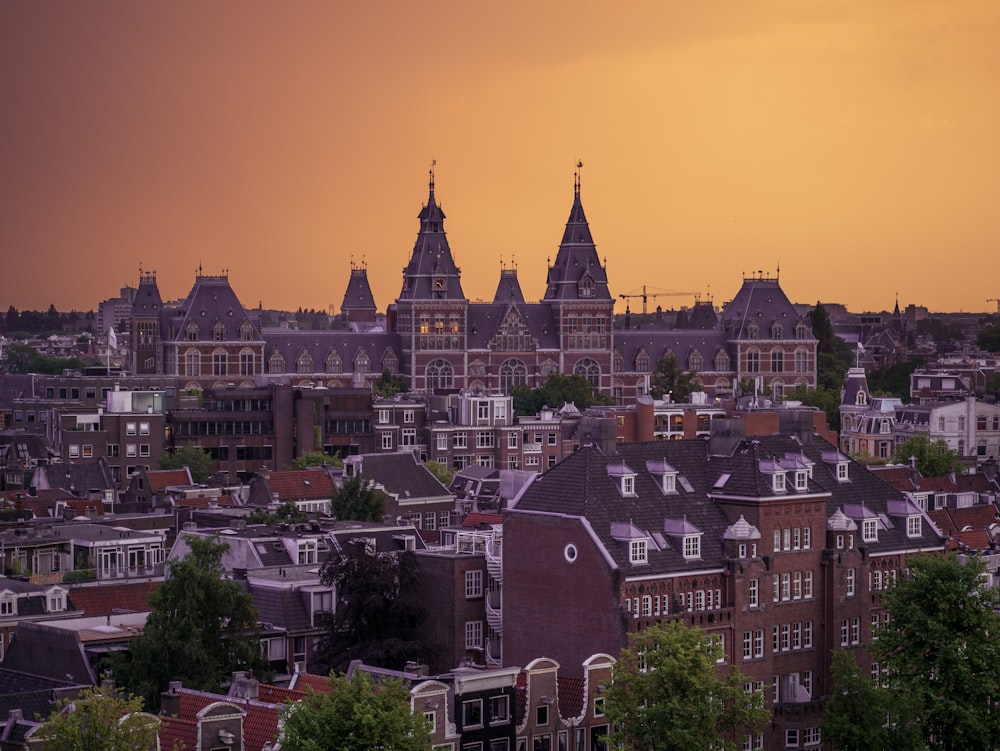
[{"x": 439, "y": 283}]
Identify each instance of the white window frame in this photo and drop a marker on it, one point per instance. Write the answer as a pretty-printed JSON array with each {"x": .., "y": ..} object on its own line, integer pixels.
[{"x": 473, "y": 584}]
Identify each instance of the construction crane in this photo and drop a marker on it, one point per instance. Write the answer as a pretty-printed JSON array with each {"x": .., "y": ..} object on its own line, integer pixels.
[
  {"x": 645, "y": 295},
  {"x": 996, "y": 300}
]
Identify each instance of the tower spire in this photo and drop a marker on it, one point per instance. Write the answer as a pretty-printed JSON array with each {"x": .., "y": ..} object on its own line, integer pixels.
[{"x": 576, "y": 178}]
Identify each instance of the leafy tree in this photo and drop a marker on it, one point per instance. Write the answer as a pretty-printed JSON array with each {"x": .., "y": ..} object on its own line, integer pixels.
[
  {"x": 894, "y": 380},
  {"x": 377, "y": 613},
  {"x": 833, "y": 355},
  {"x": 354, "y": 716},
  {"x": 934, "y": 458},
  {"x": 23, "y": 358},
  {"x": 357, "y": 499},
  {"x": 820, "y": 397},
  {"x": 988, "y": 338},
  {"x": 992, "y": 387},
  {"x": 286, "y": 513},
  {"x": 314, "y": 459},
  {"x": 195, "y": 459},
  {"x": 941, "y": 649},
  {"x": 202, "y": 626},
  {"x": 557, "y": 390},
  {"x": 97, "y": 722},
  {"x": 440, "y": 471},
  {"x": 861, "y": 716},
  {"x": 666, "y": 694},
  {"x": 389, "y": 385},
  {"x": 670, "y": 379}
]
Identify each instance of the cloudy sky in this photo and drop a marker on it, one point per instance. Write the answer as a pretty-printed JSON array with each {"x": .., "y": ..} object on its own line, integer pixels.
[{"x": 851, "y": 143}]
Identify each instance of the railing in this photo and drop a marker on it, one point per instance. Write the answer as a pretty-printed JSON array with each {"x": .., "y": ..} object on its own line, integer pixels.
[
  {"x": 116, "y": 573},
  {"x": 494, "y": 558},
  {"x": 494, "y": 614}
]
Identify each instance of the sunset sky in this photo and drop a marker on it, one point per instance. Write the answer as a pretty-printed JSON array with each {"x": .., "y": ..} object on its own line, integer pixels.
[{"x": 855, "y": 143}]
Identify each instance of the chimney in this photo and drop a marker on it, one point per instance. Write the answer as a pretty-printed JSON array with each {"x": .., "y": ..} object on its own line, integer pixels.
[{"x": 170, "y": 700}]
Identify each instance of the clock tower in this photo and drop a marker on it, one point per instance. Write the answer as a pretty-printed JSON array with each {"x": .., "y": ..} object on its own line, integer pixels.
[{"x": 432, "y": 310}]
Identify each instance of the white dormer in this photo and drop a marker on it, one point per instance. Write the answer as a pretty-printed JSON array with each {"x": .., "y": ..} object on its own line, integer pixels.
[
  {"x": 838, "y": 464},
  {"x": 686, "y": 535},
  {"x": 624, "y": 477},
  {"x": 8, "y": 603},
  {"x": 665, "y": 475},
  {"x": 775, "y": 471},
  {"x": 638, "y": 541},
  {"x": 55, "y": 600}
]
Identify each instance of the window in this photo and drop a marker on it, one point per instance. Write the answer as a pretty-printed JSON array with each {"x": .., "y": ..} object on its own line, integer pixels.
[
  {"x": 845, "y": 633},
  {"x": 8, "y": 605},
  {"x": 409, "y": 437},
  {"x": 869, "y": 530},
  {"x": 796, "y": 538},
  {"x": 407, "y": 415},
  {"x": 792, "y": 738},
  {"x": 777, "y": 540},
  {"x": 499, "y": 709},
  {"x": 113, "y": 449},
  {"x": 797, "y": 585},
  {"x": 542, "y": 715},
  {"x": 747, "y": 645},
  {"x": 855, "y": 630},
  {"x": 473, "y": 634},
  {"x": 786, "y": 586},
  {"x": 460, "y": 440},
  {"x": 842, "y": 471},
  {"x": 143, "y": 428},
  {"x": 74, "y": 451},
  {"x": 473, "y": 584},
  {"x": 778, "y": 482},
  {"x": 628, "y": 485},
  {"x": 246, "y": 362},
  {"x": 57, "y": 601},
  {"x": 754, "y": 593},
  {"x": 806, "y": 538},
  {"x": 637, "y": 551},
  {"x": 383, "y": 416},
  {"x": 692, "y": 546},
  {"x": 753, "y": 361},
  {"x": 512, "y": 440},
  {"x": 807, "y": 585},
  {"x": 472, "y": 713},
  {"x": 130, "y": 428},
  {"x": 144, "y": 449},
  {"x": 219, "y": 363},
  {"x": 801, "y": 480},
  {"x": 850, "y": 582},
  {"x": 130, "y": 450},
  {"x": 913, "y": 528},
  {"x": 442, "y": 441},
  {"x": 777, "y": 361},
  {"x": 431, "y": 718},
  {"x": 758, "y": 643},
  {"x": 387, "y": 441}
]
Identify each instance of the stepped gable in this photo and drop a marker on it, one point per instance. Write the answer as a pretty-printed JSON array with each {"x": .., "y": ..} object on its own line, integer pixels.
[
  {"x": 586, "y": 485},
  {"x": 431, "y": 273},
  {"x": 489, "y": 320},
  {"x": 211, "y": 302},
  {"x": 760, "y": 301},
  {"x": 577, "y": 272}
]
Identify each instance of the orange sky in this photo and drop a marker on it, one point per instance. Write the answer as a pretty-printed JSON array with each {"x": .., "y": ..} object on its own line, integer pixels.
[{"x": 854, "y": 142}]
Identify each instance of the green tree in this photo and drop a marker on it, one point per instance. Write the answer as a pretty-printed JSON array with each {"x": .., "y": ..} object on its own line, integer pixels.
[
  {"x": 821, "y": 398},
  {"x": 286, "y": 513},
  {"x": 388, "y": 385},
  {"x": 354, "y": 716},
  {"x": 671, "y": 380},
  {"x": 861, "y": 716},
  {"x": 833, "y": 355},
  {"x": 666, "y": 694},
  {"x": 934, "y": 458},
  {"x": 894, "y": 380},
  {"x": 23, "y": 358},
  {"x": 988, "y": 338},
  {"x": 557, "y": 390},
  {"x": 194, "y": 458},
  {"x": 96, "y": 722},
  {"x": 440, "y": 471},
  {"x": 202, "y": 626},
  {"x": 941, "y": 649},
  {"x": 357, "y": 499},
  {"x": 992, "y": 387},
  {"x": 378, "y": 610},
  {"x": 315, "y": 459}
]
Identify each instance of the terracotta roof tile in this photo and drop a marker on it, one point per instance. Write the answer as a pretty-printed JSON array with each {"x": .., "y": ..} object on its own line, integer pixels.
[
  {"x": 292, "y": 485},
  {"x": 160, "y": 479},
  {"x": 307, "y": 681},
  {"x": 110, "y": 598},
  {"x": 479, "y": 519}
]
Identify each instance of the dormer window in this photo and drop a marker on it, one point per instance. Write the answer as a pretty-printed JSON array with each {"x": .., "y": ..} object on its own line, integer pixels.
[
  {"x": 913, "y": 526},
  {"x": 778, "y": 482},
  {"x": 219, "y": 332},
  {"x": 246, "y": 331},
  {"x": 668, "y": 483},
  {"x": 842, "y": 471},
  {"x": 777, "y": 331},
  {"x": 692, "y": 546},
  {"x": 191, "y": 332},
  {"x": 638, "y": 551},
  {"x": 802, "y": 479},
  {"x": 624, "y": 477},
  {"x": 628, "y": 485},
  {"x": 8, "y": 604},
  {"x": 56, "y": 600},
  {"x": 869, "y": 530},
  {"x": 753, "y": 331},
  {"x": 586, "y": 287},
  {"x": 665, "y": 475},
  {"x": 861, "y": 399},
  {"x": 308, "y": 551}
]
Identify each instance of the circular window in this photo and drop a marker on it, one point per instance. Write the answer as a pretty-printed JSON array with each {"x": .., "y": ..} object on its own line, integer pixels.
[{"x": 570, "y": 552}]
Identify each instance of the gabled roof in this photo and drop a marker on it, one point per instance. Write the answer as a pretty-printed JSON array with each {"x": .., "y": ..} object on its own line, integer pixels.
[
  {"x": 485, "y": 320},
  {"x": 299, "y": 484},
  {"x": 77, "y": 478},
  {"x": 358, "y": 295},
  {"x": 49, "y": 652},
  {"x": 161, "y": 479},
  {"x": 761, "y": 301},
  {"x": 401, "y": 474},
  {"x": 211, "y": 301},
  {"x": 260, "y": 722}
]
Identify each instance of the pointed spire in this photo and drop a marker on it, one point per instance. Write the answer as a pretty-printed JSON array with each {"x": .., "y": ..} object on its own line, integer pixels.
[{"x": 431, "y": 273}]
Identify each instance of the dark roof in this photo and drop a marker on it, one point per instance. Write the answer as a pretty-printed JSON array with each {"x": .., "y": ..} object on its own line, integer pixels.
[
  {"x": 681, "y": 342},
  {"x": 147, "y": 297},
  {"x": 319, "y": 346},
  {"x": 211, "y": 301},
  {"x": 79, "y": 478},
  {"x": 110, "y": 599},
  {"x": 485, "y": 320},
  {"x": 15, "y": 386},
  {"x": 761, "y": 300},
  {"x": 358, "y": 295},
  {"x": 283, "y": 608},
  {"x": 431, "y": 259},
  {"x": 49, "y": 652},
  {"x": 576, "y": 260},
  {"x": 401, "y": 474},
  {"x": 508, "y": 289}
]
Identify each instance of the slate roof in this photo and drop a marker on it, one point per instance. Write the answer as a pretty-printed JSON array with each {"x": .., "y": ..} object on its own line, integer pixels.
[
  {"x": 210, "y": 301},
  {"x": 760, "y": 300},
  {"x": 16, "y": 682},
  {"x": 282, "y": 608},
  {"x": 508, "y": 289},
  {"x": 485, "y": 320},
  {"x": 431, "y": 258},
  {"x": 577, "y": 258},
  {"x": 147, "y": 297},
  {"x": 319, "y": 345},
  {"x": 401, "y": 474},
  {"x": 586, "y": 484},
  {"x": 358, "y": 295},
  {"x": 78, "y": 478},
  {"x": 656, "y": 343},
  {"x": 15, "y": 386},
  {"x": 49, "y": 652},
  {"x": 24, "y": 444}
]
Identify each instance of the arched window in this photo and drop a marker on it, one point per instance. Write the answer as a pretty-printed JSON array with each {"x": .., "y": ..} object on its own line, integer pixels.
[
  {"x": 276, "y": 363},
  {"x": 721, "y": 361},
  {"x": 191, "y": 332},
  {"x": 246, "y": 362},
  {"x": 618, "y": 362},
  {"x": 305, "y": 363},
  {"x": 362, "y": 364},
  {"x": 220, "y": 362},
  {"x": 777, "y": 331},
  {"x": 753, "y": 361},
  {"x": 695, "y": 361},
  {"x": 801, "y": 330},
  {"x": 753, "y": 331},
  {"x": 642, "y": 362},
  {"x": 549, "y": 367},
  {"x": 440, "y": 375},
  {"x": 586, "y": 287},
  {"x": 390, "y": 364},
  {"x": 801, "y": 360},
  {"x": 590, "y": 370},
  {"x": 246, "y": 331},
  {"x": 192, "y": 363},
  {"x": 722, "y": 386},
  {"x": 333, "y": 363},
  {"x": 219, "y": 332},
  {"x": 861, "y": 399},
  {"x": 512, "y": 373}
]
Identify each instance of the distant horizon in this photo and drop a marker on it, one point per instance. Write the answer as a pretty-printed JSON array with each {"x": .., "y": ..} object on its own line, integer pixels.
[{"x": 850, "y": 144}]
